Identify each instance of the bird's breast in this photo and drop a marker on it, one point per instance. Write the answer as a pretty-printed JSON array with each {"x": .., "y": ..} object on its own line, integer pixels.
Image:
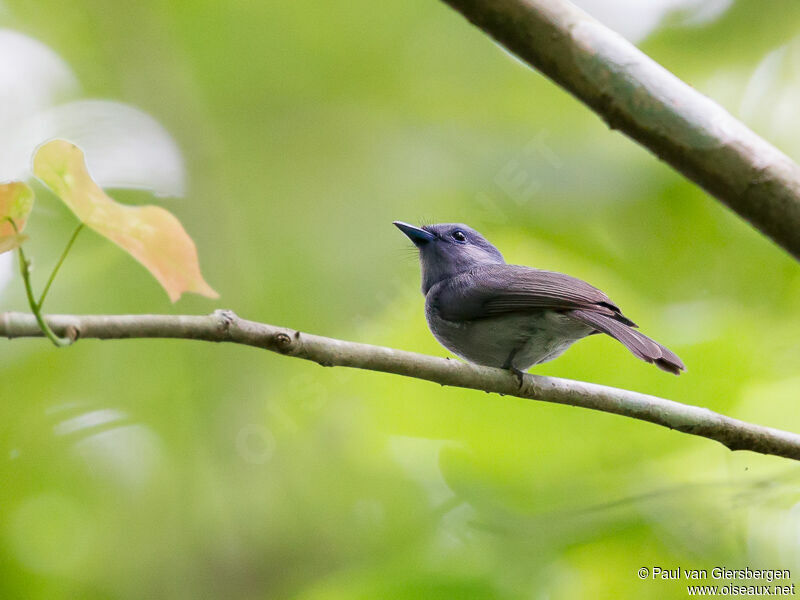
[{"x": 530, "y": 337}]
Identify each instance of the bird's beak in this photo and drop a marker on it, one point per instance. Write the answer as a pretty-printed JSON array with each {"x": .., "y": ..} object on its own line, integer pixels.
[{"x": 415, "y": 234}]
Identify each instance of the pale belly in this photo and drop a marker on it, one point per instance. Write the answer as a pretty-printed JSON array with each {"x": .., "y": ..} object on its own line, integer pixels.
[{"x": 529, "y": 338}]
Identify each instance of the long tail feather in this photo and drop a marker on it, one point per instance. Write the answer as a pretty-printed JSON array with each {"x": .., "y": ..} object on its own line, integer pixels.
[{"x": 639, "y": 344}]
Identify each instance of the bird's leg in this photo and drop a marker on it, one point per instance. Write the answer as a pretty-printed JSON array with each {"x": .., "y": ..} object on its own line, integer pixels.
[{"x": 514, "y": 371}]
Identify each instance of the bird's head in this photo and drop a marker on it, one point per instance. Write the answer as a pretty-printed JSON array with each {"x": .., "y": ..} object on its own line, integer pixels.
[{"x": 447, "y": 249}]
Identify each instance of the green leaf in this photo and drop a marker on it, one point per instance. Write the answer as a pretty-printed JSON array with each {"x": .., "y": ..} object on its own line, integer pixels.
[
  {"x": 151, "y": 234},
  {"x": 16, "y": 202}
]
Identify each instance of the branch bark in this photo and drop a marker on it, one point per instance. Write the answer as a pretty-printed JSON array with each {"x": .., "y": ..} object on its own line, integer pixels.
[
  {"x": 225, "y": 326},
  {"x": 636, "y": 95}
]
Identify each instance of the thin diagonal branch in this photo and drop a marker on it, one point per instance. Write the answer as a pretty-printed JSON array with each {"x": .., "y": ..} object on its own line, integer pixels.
[
  {"x": 224, "y": 326},
  {"x": 636, "y": 95}
]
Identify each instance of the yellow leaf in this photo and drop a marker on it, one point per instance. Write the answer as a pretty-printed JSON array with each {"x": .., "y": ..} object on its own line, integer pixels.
[
  {"x": 150, "y": 234},
  {"x": 16, "y": 202}
]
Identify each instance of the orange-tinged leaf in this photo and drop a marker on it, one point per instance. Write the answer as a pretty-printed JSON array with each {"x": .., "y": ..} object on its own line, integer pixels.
[
  {"x": 151, "y": 234},
  {"x": 9, "y": 242},
  {"x": 16, "y": 202}
]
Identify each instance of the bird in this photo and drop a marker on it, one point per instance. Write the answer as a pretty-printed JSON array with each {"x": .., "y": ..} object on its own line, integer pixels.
[{"x": 513, "y": 317}]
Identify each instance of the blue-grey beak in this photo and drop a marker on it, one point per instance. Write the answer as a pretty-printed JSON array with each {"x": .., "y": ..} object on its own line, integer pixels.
[{"x": 415, "y": 234}]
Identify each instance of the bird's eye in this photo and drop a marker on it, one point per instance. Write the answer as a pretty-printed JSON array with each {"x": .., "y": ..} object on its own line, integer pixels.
[{"x": 459, "y": 236}]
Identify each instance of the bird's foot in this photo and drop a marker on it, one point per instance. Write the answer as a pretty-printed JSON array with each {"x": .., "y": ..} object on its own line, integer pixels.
[{"x": 520, "y": 375}]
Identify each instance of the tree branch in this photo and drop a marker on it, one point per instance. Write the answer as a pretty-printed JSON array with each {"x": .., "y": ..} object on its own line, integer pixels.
[
  {"x": 225, "y": 326},
  {"x": 636, "y": 95}
]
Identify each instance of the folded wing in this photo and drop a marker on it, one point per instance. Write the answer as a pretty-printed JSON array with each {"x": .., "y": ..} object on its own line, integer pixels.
[{"x": 494, "y": 290}]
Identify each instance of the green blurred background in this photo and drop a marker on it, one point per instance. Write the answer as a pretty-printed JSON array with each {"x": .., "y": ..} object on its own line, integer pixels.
[{"x": 174, "y": 469}]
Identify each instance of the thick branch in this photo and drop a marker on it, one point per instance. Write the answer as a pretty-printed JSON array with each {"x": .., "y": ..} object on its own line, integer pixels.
[
  {"x": 224, "y": 326},
  {"x": 639, "y": 97}
]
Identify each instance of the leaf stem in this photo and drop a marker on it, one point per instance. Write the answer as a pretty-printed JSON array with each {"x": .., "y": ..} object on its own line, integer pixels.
[
  {"x": 25, "y": 271},
  {"x": 58, "y": 264}
]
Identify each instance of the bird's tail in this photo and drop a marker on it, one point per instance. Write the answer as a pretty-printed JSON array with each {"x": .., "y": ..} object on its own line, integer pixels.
[{"x": 638, "y": 343}]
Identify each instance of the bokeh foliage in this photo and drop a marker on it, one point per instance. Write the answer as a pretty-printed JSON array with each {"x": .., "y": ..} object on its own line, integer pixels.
[{"x": 182, "y": 470}]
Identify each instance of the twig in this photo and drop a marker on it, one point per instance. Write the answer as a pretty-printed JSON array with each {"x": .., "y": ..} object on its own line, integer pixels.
[{"x": 224, "y": 326}]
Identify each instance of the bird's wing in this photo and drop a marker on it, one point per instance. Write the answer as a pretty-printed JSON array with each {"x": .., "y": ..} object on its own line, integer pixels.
[{"x": 493, "y": 290}]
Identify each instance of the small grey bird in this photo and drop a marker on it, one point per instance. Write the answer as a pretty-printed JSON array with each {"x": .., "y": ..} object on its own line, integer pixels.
[{"x": 511, "y": 316}]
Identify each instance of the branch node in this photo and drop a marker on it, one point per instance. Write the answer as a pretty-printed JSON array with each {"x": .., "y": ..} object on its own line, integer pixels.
[
  {"x": 225, "y": 318},
  {"x": 283, "y": 343}
]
